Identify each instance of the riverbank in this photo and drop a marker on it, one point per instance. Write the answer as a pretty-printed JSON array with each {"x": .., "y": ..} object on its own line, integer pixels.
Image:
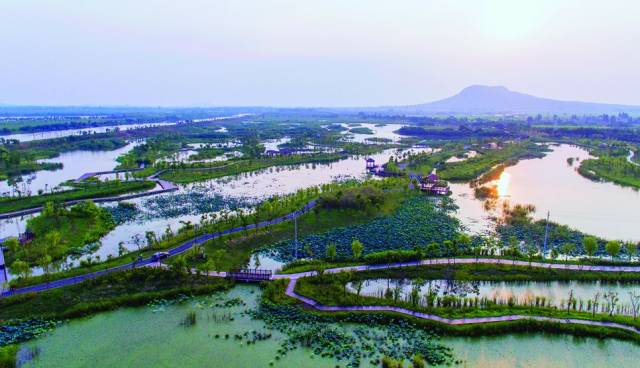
[{"x": 82, "y": 192}]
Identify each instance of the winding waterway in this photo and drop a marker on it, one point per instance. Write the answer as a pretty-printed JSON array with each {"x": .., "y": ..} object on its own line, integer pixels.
[{"x": 552, "y": 185}]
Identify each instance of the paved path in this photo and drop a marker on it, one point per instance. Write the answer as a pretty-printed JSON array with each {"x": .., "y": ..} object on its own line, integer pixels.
[
  {"x": 92, "y": 174},
  {"x": 149, "y": 261},
  {"x": 630, "y": 158},
  {"x": 441, "y": 261},
  {"x": 293, "y": 278}
]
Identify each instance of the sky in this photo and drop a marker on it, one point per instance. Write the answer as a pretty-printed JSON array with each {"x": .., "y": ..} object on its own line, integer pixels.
[{"x": 314, "y": 53}]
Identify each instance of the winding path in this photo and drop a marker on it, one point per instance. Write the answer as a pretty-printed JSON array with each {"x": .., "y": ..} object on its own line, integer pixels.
[
  {"x": 293, "y": 278},
  {"x": 630, "y": 158},
  {"x": 150, "y": 261}
]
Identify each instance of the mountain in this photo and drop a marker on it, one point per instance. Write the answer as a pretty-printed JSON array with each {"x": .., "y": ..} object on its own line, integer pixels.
[{"x": 479, "y": 99}]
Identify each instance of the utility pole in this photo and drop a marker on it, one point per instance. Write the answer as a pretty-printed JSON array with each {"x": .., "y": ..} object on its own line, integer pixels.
[{"x": 546, "y": 234}]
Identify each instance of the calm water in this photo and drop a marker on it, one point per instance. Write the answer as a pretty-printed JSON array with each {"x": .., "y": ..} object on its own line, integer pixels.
[
  {"x": 142, "y": 337},
  {"x": 554, "y": 292},
  {"x": 285, "y": 180},
  {"x": 254, "y": 186},
  {"x": 74, "y": 164},
  {"x": 550, "y": 184},
  {"x": 25, "y": 137},
  {"x": 386, "y": 131}
]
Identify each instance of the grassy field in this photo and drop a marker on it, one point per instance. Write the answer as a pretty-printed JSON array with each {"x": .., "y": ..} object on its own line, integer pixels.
[{"x": 85, "y": 191}]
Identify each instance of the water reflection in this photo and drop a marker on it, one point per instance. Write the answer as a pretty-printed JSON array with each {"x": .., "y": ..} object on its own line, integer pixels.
[
  {"x": 74, "y": 163},
  {"x": 603, "y": 209}
]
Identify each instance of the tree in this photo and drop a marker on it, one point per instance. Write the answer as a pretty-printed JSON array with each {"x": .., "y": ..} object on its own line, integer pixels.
[
  {"x": 151, "y": 239},
  {"x": 567, "y": 248},
  {"x": 554, "y": 253},
  {"x": 414, "y": 296},
  {"x": 463, "y": 241},
  {"x": 179, "y": 264},
  {"x": 217, "y": 258},
  {"x": 635, "y": 303},
  {"x": 256, "y": 260},
  {"x": 331, "y": 251},
  {"x": 12, "y": 244},
  {"x": 357, "y": 284},
  {"x": 20, "y": 268},
  {"x": 45, "y": 263},
  {"x": 612, "y": 299},
  {"x": 357, "y": 248},
  {"x": 590, "y": 245},
  {"x": 532, "y": 250},
  {"x": 53, "y": 244},
  {"x": 596, "y": 302},
  {"x": 613, "y": 248},
  {"x": 122, "y": 250},
  {"x": 450, "y": 248},
  {"x": 631, "y": 248}
]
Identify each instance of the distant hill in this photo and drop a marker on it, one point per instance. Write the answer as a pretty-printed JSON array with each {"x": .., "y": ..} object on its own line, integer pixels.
[{"x": 498, "y": 99}]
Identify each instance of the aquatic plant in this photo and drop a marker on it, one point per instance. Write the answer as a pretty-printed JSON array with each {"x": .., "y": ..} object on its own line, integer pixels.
[
  {"x": 417, "y": 222},
  {"x": 351, "y": 344},
  {"x": 15, "y": 332},
  {"x": 189, "y": 320}
]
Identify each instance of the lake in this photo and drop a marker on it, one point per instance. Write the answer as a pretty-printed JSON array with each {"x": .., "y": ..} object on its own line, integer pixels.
[{"x": 152, "y": 336}]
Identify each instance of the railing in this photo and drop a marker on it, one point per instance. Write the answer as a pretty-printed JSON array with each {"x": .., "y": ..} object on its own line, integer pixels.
[{"x": 250, "y": 275}]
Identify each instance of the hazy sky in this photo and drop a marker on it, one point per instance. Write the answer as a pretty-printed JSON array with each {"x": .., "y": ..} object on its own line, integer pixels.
[{"x": 314, "y": 53}]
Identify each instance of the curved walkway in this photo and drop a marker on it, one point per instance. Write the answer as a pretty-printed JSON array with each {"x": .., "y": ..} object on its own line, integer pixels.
[
  {"x": 150, "y": 261},
  {"x": 630, "y": 158},
  {"x": 293, "y": 278}
]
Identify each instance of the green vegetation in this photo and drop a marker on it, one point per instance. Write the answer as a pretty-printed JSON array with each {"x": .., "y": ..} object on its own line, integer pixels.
[
  {"x": 234, "y": 251},
  {"x": 274, "y": 294},
  {"x": 206, "y": 153},
  {"x": 127, "y": 288},
  {"x": 58, "y": 232},
  {"x": 81, "y": 191},
  {"x": 199, "y": 172},
  {"x": 149, "y": 152},
  {"x": 14, "y": 163},
  {"x": 8, "y": 356},
  {"x": 330, "y": 289},
  {"x": 473, "y": 167},
  {"x": 418, "y": 221},
  {"x": 613, "y": 169},
  {"x": 17, "y": 159},
  {"x": 361, "y": 130}
]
